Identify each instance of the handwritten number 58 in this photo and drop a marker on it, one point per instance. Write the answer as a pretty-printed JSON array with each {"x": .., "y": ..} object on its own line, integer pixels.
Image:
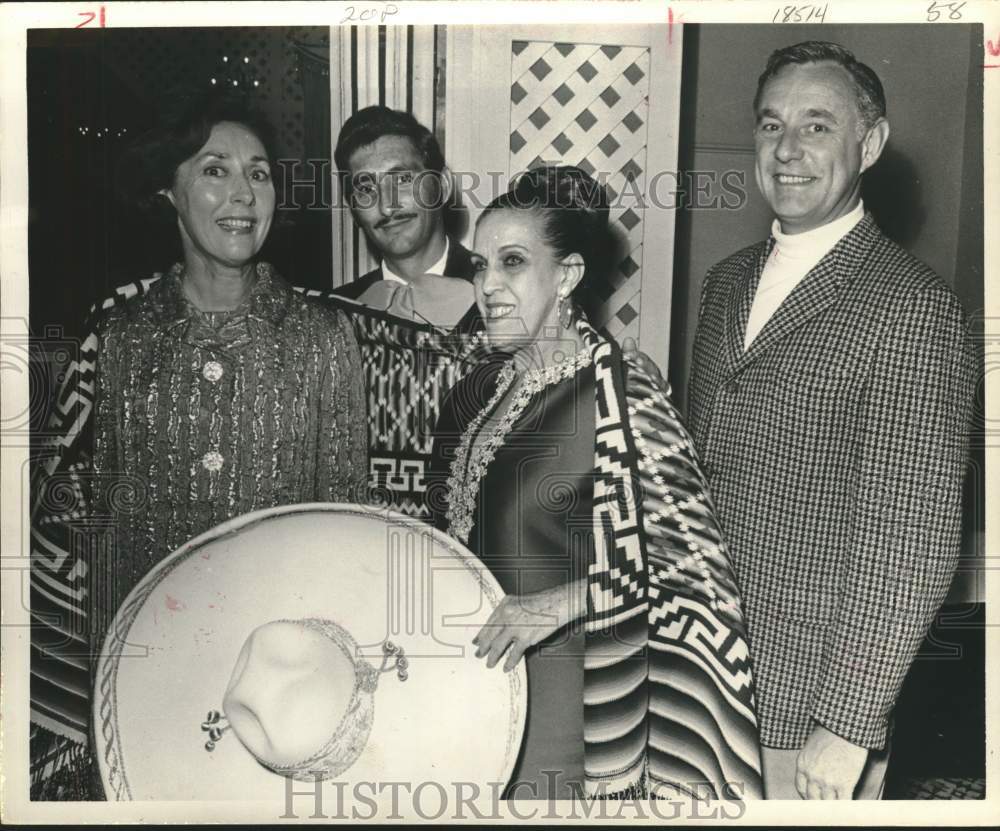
[{"x": 935, "y": 9}]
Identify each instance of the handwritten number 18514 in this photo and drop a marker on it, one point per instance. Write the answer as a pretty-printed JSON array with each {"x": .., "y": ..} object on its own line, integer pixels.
[{"x": 800, "y": 14}]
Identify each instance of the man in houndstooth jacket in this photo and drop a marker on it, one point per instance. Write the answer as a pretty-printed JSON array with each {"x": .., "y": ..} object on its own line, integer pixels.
[{"x": 831, "y": 389}]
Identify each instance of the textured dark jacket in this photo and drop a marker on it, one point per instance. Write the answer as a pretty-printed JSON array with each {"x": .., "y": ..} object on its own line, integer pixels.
[
  {"x": 836, "y": 451},
  {"x": 209, "y": 423}
]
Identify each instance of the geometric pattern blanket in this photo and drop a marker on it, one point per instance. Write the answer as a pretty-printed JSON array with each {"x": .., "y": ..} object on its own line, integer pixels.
[{"x": 668, "y": 687}]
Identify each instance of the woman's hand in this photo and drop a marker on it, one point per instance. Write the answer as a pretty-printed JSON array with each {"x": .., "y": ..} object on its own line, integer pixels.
[{"x": 522, "y": 620}]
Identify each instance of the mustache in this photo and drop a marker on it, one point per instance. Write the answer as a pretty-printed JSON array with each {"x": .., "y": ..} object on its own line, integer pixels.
[{"x": 394, "y": 218}]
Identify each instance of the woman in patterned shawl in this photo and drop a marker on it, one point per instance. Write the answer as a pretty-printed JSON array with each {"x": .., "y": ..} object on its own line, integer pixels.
[
  {"x": 220, "y": 390},
  {"x": 570, "y": 474}
]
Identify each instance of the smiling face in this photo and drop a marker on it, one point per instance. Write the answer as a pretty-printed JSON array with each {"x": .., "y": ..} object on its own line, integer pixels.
[
  {"x": 812, "y": 146},
  {"x": 224, "y": 198},
  {"x": 395, "y": 199},
  {"x": 518, "y": 277}
]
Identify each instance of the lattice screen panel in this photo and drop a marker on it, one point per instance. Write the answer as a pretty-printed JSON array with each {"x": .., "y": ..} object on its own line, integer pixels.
[{"x": 588, "y": 105}]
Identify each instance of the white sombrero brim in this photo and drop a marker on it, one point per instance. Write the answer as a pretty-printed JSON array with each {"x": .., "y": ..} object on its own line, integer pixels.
[{"x": 378, "y": 574}]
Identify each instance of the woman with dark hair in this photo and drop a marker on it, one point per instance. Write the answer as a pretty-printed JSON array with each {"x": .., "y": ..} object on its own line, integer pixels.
[
  {"x": 569, "y": 473},
  {"x": 219, "y": 389}
]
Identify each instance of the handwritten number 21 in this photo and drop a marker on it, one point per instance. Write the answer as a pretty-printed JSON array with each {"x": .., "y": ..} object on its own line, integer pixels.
[{"x": 90, "y": 18}]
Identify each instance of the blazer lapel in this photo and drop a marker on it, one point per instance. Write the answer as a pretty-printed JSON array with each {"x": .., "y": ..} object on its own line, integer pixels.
[
  {"x": 738, "y": 308},
  {"x": 817, "y": 291}
]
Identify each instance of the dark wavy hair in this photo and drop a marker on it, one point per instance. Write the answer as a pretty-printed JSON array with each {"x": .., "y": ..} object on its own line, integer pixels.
[
  {"x": 573, "y": 209},
  {"x": 868, "y": 91},
  {"x": 370, "y": 124},
  {"x": 150, "y": 164}
]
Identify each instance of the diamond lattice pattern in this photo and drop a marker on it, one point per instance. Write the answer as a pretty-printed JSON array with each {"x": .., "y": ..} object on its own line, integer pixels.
[{"x": 588, "y": 105}]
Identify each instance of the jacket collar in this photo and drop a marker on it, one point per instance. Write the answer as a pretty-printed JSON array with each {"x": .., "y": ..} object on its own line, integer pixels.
[
  {"x": 818, "y": 290},
  {"x": 264, "y": 308}
]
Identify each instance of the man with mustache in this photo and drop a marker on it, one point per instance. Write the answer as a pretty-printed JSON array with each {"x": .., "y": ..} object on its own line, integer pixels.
[
  {"x": 831, "y": 390},
  {"x": 398, "y": 185}
]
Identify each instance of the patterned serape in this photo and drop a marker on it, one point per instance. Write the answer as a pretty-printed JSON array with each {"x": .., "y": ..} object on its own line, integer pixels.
[
  {"x": 669, "y": 698},
  {"x": 409, "y": 369},
  {"x": 62, "y": 552}
]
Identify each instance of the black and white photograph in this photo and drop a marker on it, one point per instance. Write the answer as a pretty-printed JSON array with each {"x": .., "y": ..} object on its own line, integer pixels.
[{"x": 453, "y": 412}]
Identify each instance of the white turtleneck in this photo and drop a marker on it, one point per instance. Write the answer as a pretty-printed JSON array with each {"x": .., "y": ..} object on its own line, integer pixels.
[{"x": 791, "y": 259}]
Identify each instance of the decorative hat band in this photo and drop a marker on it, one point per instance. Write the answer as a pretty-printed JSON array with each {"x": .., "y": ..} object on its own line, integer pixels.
[{"x": 348, "y": 740}]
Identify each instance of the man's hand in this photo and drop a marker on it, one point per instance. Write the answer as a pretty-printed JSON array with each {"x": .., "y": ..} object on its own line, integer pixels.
[
  {"x": 523, "y": 620},
  {"x": 630, "y": 351},
  {"x": 828, "y": 766}
]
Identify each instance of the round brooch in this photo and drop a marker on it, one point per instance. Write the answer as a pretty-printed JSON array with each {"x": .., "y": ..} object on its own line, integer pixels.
[
  {"x": 212, "y": 460},
  {"x": 212, "y": 371}
]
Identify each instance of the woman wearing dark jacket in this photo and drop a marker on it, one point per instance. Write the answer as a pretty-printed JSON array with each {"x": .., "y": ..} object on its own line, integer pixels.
[{"x": 570, "y": 474}]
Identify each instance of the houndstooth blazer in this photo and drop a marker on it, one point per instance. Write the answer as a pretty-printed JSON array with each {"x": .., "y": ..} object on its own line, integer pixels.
[{"x": 836, "y": 450}]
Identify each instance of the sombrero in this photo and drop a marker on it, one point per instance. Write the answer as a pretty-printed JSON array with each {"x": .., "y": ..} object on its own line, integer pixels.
[{"x": 307, "y": 641}]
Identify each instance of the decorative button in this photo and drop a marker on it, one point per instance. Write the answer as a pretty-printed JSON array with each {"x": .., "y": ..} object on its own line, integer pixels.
[
  {"x": 212, "y": 460},
  {"x": 212, "y": 371},
  {"x": 733, "y": 387}
]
